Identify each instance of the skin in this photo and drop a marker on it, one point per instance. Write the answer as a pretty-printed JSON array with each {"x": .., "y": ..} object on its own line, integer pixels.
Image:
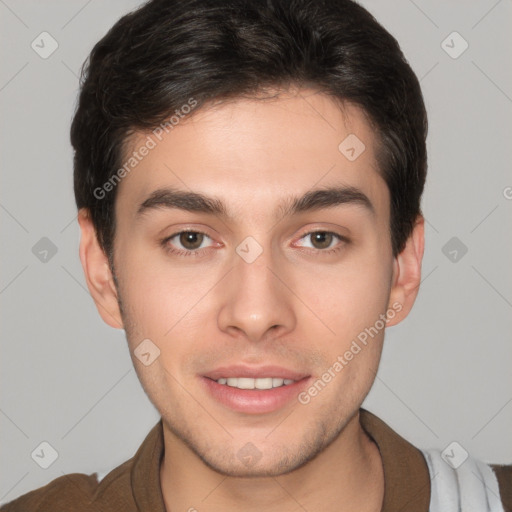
[{"x": 294, "y": 306}]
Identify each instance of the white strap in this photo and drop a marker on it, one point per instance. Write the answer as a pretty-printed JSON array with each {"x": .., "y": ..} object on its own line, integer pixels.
[{"x": 470, "y": 487}]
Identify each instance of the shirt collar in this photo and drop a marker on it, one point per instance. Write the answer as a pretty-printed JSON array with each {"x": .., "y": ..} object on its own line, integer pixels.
[{"x": 406, "y": 475}]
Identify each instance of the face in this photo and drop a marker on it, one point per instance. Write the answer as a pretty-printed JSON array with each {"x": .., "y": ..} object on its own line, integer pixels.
[{"x": 264, "y": 293}]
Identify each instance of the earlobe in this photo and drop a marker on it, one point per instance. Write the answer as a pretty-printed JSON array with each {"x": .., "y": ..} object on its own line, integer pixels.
[
  {"x": 407, "y": 273},
  {"x": 97, "y": 272}
]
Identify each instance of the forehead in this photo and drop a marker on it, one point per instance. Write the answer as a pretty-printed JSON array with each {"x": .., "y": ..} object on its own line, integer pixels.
[{"x": 253, "y": 152}]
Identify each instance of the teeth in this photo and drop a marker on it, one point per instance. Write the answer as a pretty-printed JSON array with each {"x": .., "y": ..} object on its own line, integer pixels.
[
  {"x": 265, "y": 383},
  {"x": 248, "y": 383}
]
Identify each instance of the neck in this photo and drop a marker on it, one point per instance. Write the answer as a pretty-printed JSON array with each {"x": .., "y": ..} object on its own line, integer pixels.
[{"x": 346, "y": 476}]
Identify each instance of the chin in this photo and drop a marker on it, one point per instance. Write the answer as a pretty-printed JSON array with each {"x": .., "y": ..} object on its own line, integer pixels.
[
  {"x": 270, "y": 460},
  {"x": 259, "y": 469}
]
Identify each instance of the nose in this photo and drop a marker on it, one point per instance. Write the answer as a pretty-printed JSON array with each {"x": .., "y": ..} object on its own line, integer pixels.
[{"x": 257, "y": 299}]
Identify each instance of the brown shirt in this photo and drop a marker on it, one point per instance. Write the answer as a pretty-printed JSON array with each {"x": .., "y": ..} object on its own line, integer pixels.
[{"x": 134, "y": 486}]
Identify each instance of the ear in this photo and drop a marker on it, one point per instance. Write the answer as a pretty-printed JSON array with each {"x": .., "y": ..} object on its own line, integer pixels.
[
  {"x": 407, "y": 273},
  {"x": 97, "y": 272}
]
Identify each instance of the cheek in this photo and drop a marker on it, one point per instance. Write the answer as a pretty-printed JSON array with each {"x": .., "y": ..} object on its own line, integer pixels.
[
  {"x": 349, "y": 297},
  {"x": 148, "y": 296},
  {"x": 351, "y": 303},
  {"x": 163, "y": 302}
]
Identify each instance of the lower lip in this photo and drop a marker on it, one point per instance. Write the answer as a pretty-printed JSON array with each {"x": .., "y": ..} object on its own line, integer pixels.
[{"x": 254, "y": 401}]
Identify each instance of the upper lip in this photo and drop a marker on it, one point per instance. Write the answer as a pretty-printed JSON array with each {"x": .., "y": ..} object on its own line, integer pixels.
[{"x": 254, "y": 372}]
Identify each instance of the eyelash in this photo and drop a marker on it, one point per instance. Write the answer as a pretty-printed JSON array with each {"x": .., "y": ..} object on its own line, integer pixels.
[{"x": 198, "y": 252}]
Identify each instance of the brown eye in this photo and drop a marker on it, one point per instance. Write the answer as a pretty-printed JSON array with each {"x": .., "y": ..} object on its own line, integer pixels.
[
  {"x": 187, "y": 243},
  {"x": 191, "y": 240},
  {"x": 321, "y": 239},
  {"x": 323, "y": 242}
]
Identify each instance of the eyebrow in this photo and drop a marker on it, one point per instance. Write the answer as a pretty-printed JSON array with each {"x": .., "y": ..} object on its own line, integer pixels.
[{"x": 329, "y": 197}]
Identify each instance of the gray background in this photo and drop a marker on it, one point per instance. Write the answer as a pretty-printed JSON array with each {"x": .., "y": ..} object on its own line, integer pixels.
[{"x": 67, "y": 378}]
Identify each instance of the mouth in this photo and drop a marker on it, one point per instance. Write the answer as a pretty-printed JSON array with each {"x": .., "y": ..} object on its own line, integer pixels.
[{"x": 252, "y": 390}]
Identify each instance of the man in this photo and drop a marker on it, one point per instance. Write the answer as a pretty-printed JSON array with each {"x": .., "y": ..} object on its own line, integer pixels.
[{"x": 248, "y": 176}]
